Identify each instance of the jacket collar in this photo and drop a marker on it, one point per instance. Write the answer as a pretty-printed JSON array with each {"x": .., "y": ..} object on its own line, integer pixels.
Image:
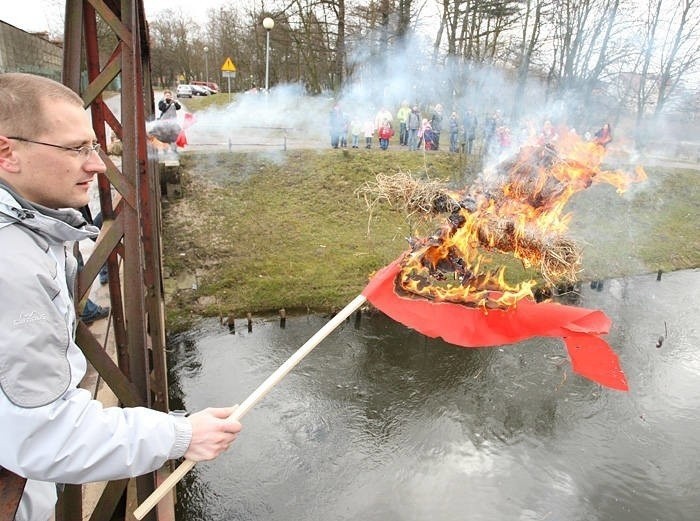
[{"x": 57, "y": 225}]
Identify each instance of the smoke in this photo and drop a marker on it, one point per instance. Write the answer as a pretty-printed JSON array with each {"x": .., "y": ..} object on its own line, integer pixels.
[
  {"x": 288, "y": 117},
  {"x": 283, "y": 117}
]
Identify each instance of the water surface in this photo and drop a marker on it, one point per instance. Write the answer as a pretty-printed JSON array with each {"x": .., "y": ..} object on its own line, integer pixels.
[{"x": 380, "y": 423}]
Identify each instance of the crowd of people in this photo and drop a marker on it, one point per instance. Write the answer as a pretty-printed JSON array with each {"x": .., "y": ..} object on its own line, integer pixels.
[{"x": 422, "y": 130}]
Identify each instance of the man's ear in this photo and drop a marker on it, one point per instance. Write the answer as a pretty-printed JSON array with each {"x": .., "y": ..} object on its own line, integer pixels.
[{"x": 8, "y": 159}]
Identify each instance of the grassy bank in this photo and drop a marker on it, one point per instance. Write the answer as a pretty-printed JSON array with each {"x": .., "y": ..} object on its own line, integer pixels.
[{"x": 256, "y": 233}]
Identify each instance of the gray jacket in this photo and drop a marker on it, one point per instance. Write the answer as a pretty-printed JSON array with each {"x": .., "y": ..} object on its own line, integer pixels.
[{"x": 52, "y": 431}]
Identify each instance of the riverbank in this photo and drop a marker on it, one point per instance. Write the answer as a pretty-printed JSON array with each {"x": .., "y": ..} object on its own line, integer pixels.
[{"x": 257, "y": 232}]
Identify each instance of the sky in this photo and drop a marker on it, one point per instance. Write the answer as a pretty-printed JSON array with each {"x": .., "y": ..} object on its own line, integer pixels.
[{"x": 47, "y": 15}]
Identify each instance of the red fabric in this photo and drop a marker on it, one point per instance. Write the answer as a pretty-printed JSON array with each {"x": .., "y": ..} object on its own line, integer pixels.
[
  {"x": 580, "y": 328},
  {"x": 189, "y": 120},
  {"x": 181, "y": 140}
]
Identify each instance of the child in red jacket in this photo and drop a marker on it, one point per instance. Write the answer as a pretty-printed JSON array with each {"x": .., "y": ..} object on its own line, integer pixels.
[{"x": 385, "y": 133}]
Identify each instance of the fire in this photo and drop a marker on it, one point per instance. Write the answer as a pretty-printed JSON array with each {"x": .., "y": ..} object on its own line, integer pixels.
[{"x": 516, "y": 208}]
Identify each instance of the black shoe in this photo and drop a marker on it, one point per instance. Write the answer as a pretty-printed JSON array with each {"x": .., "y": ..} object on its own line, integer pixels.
[{"x": 100, "y": 313}]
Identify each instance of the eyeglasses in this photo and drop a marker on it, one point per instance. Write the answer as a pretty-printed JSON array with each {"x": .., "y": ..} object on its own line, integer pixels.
[{"x": 83, "y": 151}]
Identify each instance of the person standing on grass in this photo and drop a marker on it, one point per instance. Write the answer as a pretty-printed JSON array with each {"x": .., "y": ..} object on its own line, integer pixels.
[
  {"x": 385, "y": 133},
  {"x": 470, "y": 124},
  {"x": 336, "y": 123},
  {"x": 436, "y": 126},
  {"x": 454, "y": 132},
  {"x": 413, "y": 124},
  {"x": 355, "y": 129},
  {"x": 52, "y": 431},
  {"x": 603, "y": 136},
  {"x": 402, "y": 117},
  {"x": 368, "y": 129}
]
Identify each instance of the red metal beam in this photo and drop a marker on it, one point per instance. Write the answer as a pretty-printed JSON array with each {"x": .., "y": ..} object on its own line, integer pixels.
[{"x": 130, "y": 206}]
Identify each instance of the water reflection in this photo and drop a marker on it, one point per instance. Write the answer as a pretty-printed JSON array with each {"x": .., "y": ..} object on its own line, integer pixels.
[{"x": 380, "y": 423}]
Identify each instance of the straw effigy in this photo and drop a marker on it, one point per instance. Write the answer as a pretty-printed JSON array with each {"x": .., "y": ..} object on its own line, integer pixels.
[{"x": 557, "y": 257}]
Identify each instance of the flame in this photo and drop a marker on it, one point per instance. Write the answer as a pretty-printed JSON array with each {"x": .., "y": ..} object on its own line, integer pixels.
[{"x": 516, "y": 208}]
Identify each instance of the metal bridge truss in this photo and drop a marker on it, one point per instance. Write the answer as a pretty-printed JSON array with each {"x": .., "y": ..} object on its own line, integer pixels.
[{"x": 129, "y": 241}]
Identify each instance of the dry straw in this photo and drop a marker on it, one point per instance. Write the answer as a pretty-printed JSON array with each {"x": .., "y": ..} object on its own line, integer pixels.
[{"x": 557, "y": 257}]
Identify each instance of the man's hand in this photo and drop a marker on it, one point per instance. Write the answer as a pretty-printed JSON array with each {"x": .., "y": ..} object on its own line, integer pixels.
[{"x": 212, "y": 433}]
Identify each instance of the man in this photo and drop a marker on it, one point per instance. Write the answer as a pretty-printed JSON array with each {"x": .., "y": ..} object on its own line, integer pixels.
[
  {"x": 413, "y": 124},
  {"x": 402, "y": 116},
  {"x": 168, "y": 106},
  {"x": 52, "y": 431},
  {"x": 470, "y": 124},
  {"x": 436, "y": 125}
]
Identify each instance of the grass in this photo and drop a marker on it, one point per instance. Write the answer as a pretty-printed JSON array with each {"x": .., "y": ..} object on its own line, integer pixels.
[
  {"x": 197, "y": 103},
  {"x": 652, "y": 227},
  {"x": 259, "y": 232}
]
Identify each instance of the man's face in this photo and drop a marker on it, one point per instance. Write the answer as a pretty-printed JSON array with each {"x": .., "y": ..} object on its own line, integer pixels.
[
  {"x": 54, "y": 177},
  {"x": 168, "y": 95}
]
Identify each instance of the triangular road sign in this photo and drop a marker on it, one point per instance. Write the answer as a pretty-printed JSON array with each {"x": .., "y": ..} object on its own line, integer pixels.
[{"x": 228, "y": 66}]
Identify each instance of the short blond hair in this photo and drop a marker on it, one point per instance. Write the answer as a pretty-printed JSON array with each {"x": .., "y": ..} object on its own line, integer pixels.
[{"x": 24, "y": 99}]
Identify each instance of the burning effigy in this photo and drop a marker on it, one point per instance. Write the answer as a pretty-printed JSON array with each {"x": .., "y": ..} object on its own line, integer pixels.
[
  {"x": 165, "y": 134},
  {"x": 448, "y": 285},
  {"x": 516, "y": 208}
]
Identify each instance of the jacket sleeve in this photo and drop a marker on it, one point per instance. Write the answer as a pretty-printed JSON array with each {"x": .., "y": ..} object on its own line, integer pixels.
[
  {"x": 76, "y": 440},
  {"x": 51, "y": 430}
]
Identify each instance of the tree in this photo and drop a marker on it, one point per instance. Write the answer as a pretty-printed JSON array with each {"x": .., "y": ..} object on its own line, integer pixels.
[
  {"x": 531, "y": 25},
  {"x": 600, "y": 56},
  {"x": 680, "y": 53},
  {"x": 173, "y": 48}
]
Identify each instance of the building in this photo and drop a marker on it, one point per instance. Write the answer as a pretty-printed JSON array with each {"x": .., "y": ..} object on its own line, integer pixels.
[{"x": 34, "y": 53}]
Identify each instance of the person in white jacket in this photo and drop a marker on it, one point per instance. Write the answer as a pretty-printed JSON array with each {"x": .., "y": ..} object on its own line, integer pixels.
[{"x": 52, "y": 431}]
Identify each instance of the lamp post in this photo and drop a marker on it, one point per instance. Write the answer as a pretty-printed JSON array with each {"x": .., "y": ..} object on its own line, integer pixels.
[
  {"x": 206, "y": 63},
  {"x": 268, "y": 24}
]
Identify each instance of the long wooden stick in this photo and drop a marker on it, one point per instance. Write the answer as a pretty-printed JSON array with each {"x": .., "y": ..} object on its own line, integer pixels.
[{"x": 257, "y": 395}]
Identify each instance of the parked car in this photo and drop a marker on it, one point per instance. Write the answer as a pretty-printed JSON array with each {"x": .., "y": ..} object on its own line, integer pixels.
[
  {"x": 184, "y": 91},
  {"x": 198, "y": 90},
  {"x": 213, "y": 87}
]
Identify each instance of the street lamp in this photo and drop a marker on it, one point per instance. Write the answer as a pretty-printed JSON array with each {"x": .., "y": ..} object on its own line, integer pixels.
[
  {"x": 206, "y": 63},
  {"x": 268, "y": 24}
]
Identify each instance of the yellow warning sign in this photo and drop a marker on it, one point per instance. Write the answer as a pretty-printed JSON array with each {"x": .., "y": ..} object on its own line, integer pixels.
[{"x": 228, "y": 66}]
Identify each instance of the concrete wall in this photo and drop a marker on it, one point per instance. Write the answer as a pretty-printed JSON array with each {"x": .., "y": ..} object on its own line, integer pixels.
[{"x": 21, "y": 51}]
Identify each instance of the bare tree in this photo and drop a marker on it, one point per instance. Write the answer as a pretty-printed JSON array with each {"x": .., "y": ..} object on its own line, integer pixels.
[
  {"x": 227, "y": 37},
  {"x": 669, "y": 51},
  {"x": 338, "y": 7},
  {"x": 605, "y": 27},
  {"x": 582, "y": 49},
  {"x": 644, "y": 83},
  {"x": 173, "y": 52},
  {"x": 680, "y": 53},
  {"x": 530, "y": 30}
]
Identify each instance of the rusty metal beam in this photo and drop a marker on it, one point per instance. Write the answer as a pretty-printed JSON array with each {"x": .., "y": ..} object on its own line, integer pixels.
[
  {"x": 126, "y": 392},
  {"x": 11, "y": 487},
  {"x": 72, "y": 44},
  {"x": 109, "y": 500},
  {"x": 70, "y": 504},
  {"x": 110, "y": 239},
  {"x": 130, "y": 238}
]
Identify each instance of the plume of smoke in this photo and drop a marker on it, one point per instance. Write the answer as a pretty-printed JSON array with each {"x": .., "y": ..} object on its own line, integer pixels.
[{"x": 287, "y": 117}]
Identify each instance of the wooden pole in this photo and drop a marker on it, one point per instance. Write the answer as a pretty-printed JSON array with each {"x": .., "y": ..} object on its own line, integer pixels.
[{"x": 257, "y": 395}]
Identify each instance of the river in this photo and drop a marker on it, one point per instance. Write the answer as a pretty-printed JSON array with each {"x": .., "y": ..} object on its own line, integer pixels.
[{"x": 380, "y": 423}]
